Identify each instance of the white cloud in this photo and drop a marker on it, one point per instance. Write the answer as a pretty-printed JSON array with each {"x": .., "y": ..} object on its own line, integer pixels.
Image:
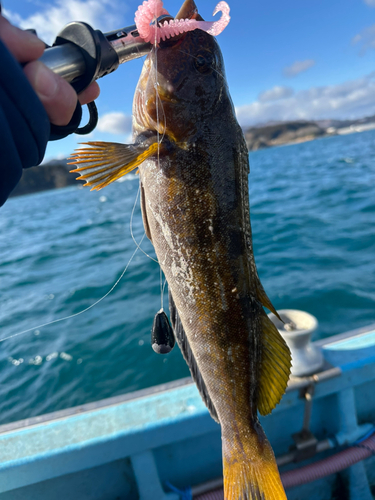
[
  {"x": 371, "y": 3},
  {"x": 366, "y": 38},
  {"x": 351, "y": 99},
  {"x": 298, "y": 67},
  {"x": 115, "y": 123},
  {"x": 100, "y": 14},
  {"x": 275, "y": 93}
]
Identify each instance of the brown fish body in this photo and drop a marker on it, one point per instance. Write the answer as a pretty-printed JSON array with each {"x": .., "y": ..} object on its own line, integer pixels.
[
  {"x": 195, "y": 202},
  {"x": 196, "y": 213},
  {"x": 193, "y": 165}
]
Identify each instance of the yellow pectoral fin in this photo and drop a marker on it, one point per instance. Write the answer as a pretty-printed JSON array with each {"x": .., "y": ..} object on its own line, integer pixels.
[
  {"x": 275, "y": 367},
  {"x": 105, "y": 162}
]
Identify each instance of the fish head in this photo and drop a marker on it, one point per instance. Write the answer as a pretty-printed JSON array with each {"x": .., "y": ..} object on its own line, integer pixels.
[{"x": 181, "y": 84}]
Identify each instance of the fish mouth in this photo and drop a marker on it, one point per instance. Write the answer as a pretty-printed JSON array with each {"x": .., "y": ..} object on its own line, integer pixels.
[{"x": 173, "y": 41}]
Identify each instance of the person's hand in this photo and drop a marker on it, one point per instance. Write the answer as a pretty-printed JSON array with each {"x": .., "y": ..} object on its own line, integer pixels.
[{"x": 57, "y": 96}]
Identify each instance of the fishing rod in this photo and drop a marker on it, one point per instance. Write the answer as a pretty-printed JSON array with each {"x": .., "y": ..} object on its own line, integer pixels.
[{"x": 81, "y": 55}]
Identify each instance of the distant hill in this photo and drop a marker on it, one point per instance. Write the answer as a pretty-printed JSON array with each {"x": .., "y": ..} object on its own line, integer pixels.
[
  {"x": 278, "y": 133},
  {"x": 51, "y": 175},
  {"x": 339, "y": 124},
  {"x": 282, "y": 133}
]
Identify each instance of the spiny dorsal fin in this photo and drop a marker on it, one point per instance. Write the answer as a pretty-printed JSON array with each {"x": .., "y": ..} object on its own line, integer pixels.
[
  {"x": 264, "y": 300},
  {"x": 188, "y": 355},
  {"x": 275, "y": 367},
  {"x": 105, "y": 162}
]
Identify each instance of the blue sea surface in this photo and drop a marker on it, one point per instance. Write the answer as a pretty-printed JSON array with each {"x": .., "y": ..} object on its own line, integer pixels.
[{"x": 313, "y": 219}]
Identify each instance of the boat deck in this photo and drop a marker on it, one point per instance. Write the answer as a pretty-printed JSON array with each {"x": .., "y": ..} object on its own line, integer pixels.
[{"x": 141, "y": 445}]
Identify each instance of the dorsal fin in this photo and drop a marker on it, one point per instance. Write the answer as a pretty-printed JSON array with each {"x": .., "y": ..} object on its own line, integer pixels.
[
  {"x": 187, "y": 353},
  {"x": 275, "y": 367}
]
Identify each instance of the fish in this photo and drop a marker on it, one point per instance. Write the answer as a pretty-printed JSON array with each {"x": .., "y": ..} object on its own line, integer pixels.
[{"x": 193, "y": 165}]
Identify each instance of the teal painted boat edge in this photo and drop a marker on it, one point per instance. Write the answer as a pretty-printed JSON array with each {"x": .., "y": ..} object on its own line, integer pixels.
[
  {"x": 358, "y": 342},
  {"x": 65, "y": 445},
  {"x": 352, "y": 374},
  {"x": 348, "y": 350},
  {"x": 115, "y": 400},
  {"x": 346, "y": 335}
]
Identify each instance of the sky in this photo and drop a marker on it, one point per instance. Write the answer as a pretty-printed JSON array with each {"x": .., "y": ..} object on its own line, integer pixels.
[{"x": 285, "y": 60}]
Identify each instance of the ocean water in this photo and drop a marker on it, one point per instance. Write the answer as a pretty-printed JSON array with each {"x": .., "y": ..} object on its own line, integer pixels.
[{"x": 313, "y": 218}]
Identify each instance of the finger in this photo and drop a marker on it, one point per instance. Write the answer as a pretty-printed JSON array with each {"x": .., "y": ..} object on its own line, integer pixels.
[
  {"x": 24, "y": 46},
  {"x": 57, "y": 96},
  {"x": 89, "y": 94}
]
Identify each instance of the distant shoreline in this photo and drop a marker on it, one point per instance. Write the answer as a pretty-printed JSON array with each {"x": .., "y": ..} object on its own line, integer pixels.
[
  {"x": 55, "y": 174},
  {"x": 52, "y": 175},
  {"x": 295, "y": 132}
]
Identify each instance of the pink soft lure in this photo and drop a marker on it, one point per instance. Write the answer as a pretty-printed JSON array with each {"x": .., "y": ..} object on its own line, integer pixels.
[{"x": 152, "y": 9}]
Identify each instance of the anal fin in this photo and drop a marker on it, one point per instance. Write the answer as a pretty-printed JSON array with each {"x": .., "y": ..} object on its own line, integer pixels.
[
  {"x": 275, "y": 367},
  {"x": 187, "y": 353}
]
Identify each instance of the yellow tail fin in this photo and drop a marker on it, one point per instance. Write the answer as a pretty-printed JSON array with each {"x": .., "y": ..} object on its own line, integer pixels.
[{"x": 250, "y": 470}]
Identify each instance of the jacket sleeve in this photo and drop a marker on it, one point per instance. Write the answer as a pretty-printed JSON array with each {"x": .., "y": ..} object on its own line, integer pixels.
[{"x": 24, "y": 124}]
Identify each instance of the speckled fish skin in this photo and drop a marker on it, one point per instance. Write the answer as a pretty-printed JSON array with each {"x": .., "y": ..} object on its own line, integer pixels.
[
  {"x": 196, "y": 212},
  {"x": 194, "y": 167}
]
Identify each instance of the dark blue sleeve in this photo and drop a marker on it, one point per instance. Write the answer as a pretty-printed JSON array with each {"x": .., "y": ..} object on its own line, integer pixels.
[{"x": 24, "y": 124}]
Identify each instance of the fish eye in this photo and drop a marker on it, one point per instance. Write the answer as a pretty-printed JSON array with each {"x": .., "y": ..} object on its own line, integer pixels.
[{"x": 204, "y": 62}]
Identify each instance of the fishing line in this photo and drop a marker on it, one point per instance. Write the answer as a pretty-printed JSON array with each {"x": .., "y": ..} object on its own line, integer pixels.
[
  {"x": 165, "y": 282},
  {"x": 80, "y": 312},
  {"x": 157, "y": 99},
  {"x": 131, "y": 229},
  {"x": 138, "y": 245},
  {"x": 158, "y": 103},
  {"x": 161, "y": 289}
]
